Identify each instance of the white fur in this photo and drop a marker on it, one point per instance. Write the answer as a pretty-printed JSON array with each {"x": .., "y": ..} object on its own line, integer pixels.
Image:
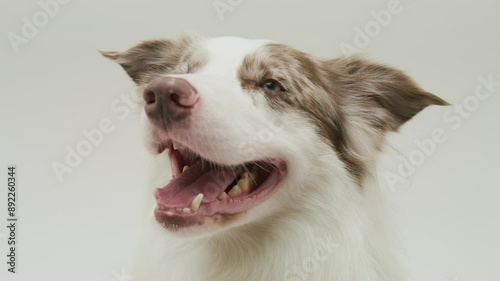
[{"x": 319, "y": 226}]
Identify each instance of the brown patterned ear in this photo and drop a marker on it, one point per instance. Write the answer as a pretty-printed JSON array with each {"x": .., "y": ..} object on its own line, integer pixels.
[
  {"x": 110, "y": 55},
  {"x": 384, "y": 95},
  {"x": 155, "y": 57},
  {"x": 372, "y": 100},
  {"x": 145, "y": 58}
]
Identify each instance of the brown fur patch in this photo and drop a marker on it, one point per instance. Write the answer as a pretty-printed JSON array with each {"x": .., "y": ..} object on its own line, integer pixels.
[
  {"x": 345, "y": 98},
  {"x": 149, "y": 59},
  {"x": 374, "y": 85}
]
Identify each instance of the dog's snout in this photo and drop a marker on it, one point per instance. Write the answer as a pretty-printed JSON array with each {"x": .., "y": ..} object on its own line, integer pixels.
[{"x": 169, "y": 98}]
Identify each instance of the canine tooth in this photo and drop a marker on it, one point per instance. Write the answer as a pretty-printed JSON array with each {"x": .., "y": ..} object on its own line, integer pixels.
[
  {"x": 244, "y": 183},
  {"x": 195, "y": 205},
  {"x": 185, "y": 168},
  {"x": 234, "y": 191},
  {"x": 244, "y": 175},
  {"x": 222, "y": 196},
  {"x": 186, "y": 210}
]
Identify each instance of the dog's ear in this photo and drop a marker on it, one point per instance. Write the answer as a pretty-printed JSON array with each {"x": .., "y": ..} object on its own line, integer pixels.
[
  {"x": 385, "y": 96},
  {"x": 151, "y": 57},
  {"x": 144, "y": 58},
  {"x": 372, "y": 100}
]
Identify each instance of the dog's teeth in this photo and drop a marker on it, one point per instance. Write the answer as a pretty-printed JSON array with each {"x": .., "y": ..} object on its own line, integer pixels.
[
  {"x": 186, "y": 210},
  {"x": 250, "y": 174},
  {"x": 234, "y": 191},
  {"x": 195, "y": 205},
  {"x": 178, "y": 209},
  {"x": 185, "y": 168},
  {"x": 177, "y": 145},
  {"x": 244, "y": 183},
  {"x": 222, "y": 196}
]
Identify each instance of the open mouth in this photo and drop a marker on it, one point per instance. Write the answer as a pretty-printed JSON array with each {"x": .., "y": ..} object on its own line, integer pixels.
[{"x": 201, "y": 191}]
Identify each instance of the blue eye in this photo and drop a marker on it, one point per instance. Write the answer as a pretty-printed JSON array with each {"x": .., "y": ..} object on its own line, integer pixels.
[{"x": 272, "y": 86}]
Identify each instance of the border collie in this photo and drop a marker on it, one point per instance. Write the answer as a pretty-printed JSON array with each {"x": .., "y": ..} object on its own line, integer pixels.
[{"x": 263, "y": 163}]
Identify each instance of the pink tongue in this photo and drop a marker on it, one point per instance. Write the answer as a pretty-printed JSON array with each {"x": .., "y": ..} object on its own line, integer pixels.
[{"x": 181, "y": 191}]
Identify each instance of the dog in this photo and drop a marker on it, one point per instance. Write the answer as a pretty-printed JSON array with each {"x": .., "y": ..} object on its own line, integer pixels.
[{"x": 263, "y": 161}]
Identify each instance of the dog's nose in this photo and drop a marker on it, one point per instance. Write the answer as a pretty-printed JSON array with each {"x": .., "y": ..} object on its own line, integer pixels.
[{"x": 169, "y": 98}]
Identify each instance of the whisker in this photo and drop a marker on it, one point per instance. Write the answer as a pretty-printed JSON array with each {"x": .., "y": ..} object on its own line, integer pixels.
[{"x": 257, "y": 164}]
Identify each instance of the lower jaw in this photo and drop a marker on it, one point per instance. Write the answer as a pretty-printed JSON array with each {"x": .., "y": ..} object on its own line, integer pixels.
[{"x": 177, "y": 222}]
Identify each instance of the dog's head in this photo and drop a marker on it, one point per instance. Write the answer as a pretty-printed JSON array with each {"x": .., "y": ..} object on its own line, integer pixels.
[{"x": 253, "y": 127}]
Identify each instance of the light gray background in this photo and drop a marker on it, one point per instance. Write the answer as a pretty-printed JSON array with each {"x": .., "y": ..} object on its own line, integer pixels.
[{"x": 85, "y": 227}]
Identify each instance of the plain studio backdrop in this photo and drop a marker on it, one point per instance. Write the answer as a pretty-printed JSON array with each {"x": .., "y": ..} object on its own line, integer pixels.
[{"x": 55, "y": 87}]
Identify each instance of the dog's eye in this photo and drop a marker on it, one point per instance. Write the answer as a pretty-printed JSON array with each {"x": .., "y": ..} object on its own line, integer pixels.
[{"x": 272, "y": 86}]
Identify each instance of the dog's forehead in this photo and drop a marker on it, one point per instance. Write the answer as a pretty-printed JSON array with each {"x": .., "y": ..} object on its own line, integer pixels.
[{"x": 226, "y": 54}]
